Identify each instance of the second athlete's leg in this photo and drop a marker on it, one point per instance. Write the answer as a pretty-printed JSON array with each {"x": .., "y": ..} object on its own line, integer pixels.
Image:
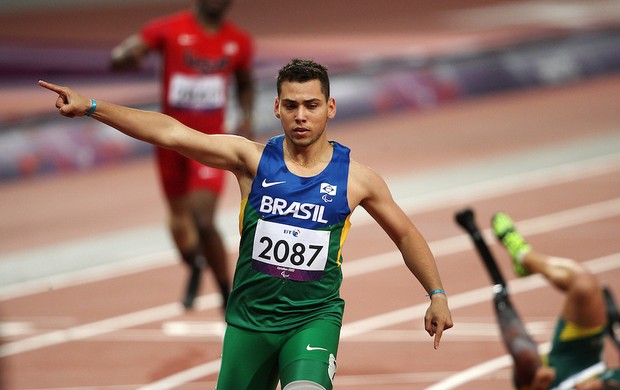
[
  {"x": 175, "y": 176},
  {"x": 186, "y": 239},
  {"x": 203, "y": 205},
  {"x": 585, "y": 303},
  {"x": 517, "y": 341}
]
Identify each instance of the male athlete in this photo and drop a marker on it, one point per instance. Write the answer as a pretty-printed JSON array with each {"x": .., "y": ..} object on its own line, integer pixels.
[
  {"x": 200, "y": 51},
  {"x": 298, "y": 192},
  {"x": 575, "y": 358}
]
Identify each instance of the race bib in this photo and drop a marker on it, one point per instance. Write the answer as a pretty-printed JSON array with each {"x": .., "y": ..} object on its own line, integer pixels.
[
  {"x": 199, "y": 92},
  {"x": 290, "y": 252}
]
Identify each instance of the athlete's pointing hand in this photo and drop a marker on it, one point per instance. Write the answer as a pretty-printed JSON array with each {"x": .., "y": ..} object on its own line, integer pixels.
[
  {"x": 437, "y": 318},
  {"x": 69, "y": 103}
]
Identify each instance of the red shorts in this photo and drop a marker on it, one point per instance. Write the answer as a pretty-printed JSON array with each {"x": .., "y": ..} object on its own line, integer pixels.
[{"x": 180, "y": 175}]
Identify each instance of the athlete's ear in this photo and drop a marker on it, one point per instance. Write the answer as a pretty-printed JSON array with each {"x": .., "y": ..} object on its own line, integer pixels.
[
  {"x": 331, "y": 108},
  {"x": 276, "y": 108}
]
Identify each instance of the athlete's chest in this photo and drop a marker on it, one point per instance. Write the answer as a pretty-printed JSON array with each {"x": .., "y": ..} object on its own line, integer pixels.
[
  {"x": 317, "y": 202},
  {"x": 296, "y": 219},
  {"x": 192, "y": 49}
]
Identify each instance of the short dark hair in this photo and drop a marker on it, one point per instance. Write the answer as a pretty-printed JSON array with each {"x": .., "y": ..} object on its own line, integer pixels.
[{"x": 301, "y": 71}]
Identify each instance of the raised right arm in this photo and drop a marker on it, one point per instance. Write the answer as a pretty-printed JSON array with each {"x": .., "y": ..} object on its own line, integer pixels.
[{"x": 236, "y": 154}]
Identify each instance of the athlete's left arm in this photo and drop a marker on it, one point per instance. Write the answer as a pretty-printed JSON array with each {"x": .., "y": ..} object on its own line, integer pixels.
[{"x": 375, "y": 197}]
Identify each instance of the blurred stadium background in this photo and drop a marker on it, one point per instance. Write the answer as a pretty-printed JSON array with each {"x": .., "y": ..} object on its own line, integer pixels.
[{"x": 383, "y": 56}]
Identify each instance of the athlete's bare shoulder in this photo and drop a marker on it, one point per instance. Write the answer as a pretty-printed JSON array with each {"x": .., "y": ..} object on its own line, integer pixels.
[
  {"x": 249, "y": 155},
  {"x": 364, "y": 184}
]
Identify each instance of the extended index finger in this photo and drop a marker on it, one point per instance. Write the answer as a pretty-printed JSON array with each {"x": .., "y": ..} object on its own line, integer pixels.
[
  {"x": 438, "y": 333},
  {"x": 51, "y": 86}
]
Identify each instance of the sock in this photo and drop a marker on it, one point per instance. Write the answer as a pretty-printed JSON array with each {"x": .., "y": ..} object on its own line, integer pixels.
[{"x": 189, "y": 257}]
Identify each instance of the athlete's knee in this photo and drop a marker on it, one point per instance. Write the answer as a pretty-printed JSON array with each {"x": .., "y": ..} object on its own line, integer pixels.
[
  {"x": 179, "y": 226},
  {"x": 585, "y": 286},
  {"x": 313, "y": 373},
  {"x": 303, "y": 385},
  {"x": 185, "y": 235},
  {"x": 203, "y": 205},
  {"x": 182, "y": 228},
  {"x": 207, "y": 231},
  {"x": 180, "y": 218}
]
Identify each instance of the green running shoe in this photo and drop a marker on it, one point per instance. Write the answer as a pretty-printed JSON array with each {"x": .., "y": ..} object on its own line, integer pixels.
[{"x": 515, "y": 244}]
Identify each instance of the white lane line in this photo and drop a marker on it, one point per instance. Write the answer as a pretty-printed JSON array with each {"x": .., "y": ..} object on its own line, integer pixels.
[
  {"x": 15, "y": 328},
  {"x": 213, "y": 331},
  {"x": 479, "y": 331},
  {"x": 133, "y": 265},
  {"x": 380, "y": 381},
  {"x": 108, "y": 325},
  {"x": 194, "y": 328},
  {"x": 184, "y": 377}
]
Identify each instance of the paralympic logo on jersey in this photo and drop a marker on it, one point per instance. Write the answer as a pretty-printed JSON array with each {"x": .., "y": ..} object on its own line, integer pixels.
[{"x": 278, "y": 206}]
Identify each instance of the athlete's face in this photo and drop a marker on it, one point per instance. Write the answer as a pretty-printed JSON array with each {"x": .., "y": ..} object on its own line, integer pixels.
[
  {"x": 214, "y": 9},
  {"x": 303, "y": 111}
]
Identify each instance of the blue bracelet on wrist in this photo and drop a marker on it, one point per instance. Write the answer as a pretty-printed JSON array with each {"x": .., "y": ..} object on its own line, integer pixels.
[
  {"x": 430, "y": 294},
  {"x": 93, "y": 106}
]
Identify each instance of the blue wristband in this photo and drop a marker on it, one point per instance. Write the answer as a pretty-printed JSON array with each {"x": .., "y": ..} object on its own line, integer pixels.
[
  {"x": 430, "y": 294},
  {"x": 93, "y": 106}
]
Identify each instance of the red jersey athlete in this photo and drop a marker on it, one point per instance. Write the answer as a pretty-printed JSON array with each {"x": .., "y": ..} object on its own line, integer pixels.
[{"x": 200, "y": 51}]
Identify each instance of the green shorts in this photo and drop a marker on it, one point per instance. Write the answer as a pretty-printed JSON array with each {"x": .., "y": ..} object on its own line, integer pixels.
[
  {"x": 574, "y": 349},
  {"x": 257, "y": 360}
]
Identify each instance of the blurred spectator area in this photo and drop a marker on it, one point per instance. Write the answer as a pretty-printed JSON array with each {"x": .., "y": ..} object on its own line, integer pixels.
[{"x": 383, "y": 56}]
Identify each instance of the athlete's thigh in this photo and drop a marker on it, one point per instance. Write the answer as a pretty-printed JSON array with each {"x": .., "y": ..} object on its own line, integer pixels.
[
  {"x": 203, "y": 204},
  {"x": 249, "y": 360},
  {"x": 310, "y": 354}
]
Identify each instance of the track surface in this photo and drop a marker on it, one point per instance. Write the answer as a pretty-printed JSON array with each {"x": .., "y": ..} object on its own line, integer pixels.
[{"x": 549, "y": 157}]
